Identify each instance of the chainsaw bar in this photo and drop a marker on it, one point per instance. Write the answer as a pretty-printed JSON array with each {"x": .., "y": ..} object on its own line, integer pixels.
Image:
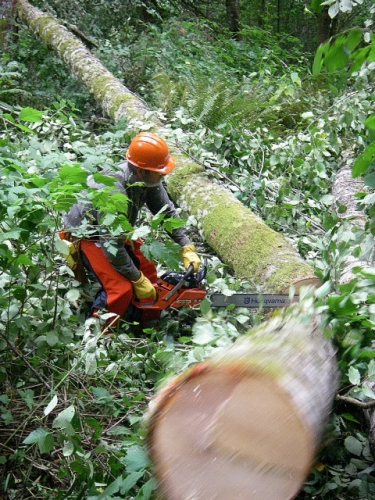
[{"x": 252, "y": 300}]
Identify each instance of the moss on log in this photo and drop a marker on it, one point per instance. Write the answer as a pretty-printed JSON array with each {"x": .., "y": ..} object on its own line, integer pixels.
[
  {"x": 239, "y": 238},
  {"x": 114, "y": 97},
  {"x": 246, "y": 423}
]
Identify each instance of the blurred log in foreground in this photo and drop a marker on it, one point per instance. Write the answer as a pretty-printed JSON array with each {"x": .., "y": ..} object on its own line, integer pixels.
[{"x": 246, "y": 424}]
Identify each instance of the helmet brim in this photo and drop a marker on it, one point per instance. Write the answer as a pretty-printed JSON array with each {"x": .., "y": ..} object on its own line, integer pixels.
[{"x": 168, "y": 167}]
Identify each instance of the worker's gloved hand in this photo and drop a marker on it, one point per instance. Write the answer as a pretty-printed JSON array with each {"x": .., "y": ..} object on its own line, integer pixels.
[
  {"x": 70, "y": 254},
  {"x": 143, "y": 288},
  {"x": 190, "y": 257}
]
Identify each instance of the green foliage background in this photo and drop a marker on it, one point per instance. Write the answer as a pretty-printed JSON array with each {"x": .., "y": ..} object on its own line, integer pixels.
[{"x": 264, "y": 117}]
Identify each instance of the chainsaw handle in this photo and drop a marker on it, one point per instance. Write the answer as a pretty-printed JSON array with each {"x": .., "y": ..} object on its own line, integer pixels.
[{"x": 189, "y": 271}]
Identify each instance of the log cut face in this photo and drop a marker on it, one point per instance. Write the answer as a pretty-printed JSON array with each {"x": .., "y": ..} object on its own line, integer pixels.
[{"x": 246, "y": 424}]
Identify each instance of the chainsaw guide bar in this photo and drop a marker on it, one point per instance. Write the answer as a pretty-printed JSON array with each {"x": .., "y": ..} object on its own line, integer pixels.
[{"x": 252, "y": 300}]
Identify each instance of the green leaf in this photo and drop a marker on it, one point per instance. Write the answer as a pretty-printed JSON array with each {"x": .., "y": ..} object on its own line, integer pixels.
[
  {"x": 353, "y": 445},
  {"x": 367, "y": 272},
  {"x": 104, "y": 179},
  {"x": 370, "y": 122},
  {"x": 46, "y": 443},
  {"x": 130, "y": 481},
  {"x": 349, "y": 417},
  {"x": 13, "y": 234},
  {"x": 30, "y": 115},
  {"x": 68, "y": 449},
  {"x": 371, "y": 368},
  {"x": 72, "y": 175},
  {"x": 28, "y": 396},
  {"x": 369, "y": 180},
  {"x": 354, "y": 376},
  {"x": 64, "y": 418},
  {"x": 51, "y": 405},
  {"x": 148, "y": 488},
  {"x": 136, "y": 459},
  {"x": 203, "y": 333},
  {"x": 205, "y": 306},
  {"x": 34, "y": 436},
  {"x": 363, "y": 161}
]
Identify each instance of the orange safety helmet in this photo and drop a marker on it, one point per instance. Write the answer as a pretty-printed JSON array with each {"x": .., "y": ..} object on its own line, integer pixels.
[{"x": 150, "y": 152}]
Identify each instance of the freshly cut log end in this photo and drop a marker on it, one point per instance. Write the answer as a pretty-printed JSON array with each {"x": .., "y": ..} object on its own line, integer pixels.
[
  {"x": 246, "y": 423},
  {"x": 226, "y": 436}
]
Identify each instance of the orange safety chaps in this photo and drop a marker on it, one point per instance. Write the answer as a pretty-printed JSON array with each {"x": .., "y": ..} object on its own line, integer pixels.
[{"x": 118, "y": 290}]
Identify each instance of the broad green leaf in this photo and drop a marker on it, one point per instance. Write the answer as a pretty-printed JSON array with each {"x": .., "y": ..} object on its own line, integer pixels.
[
  {"x": 52, "y": 338},
  {"x": 91, "y": 364},
  {"x": 353, "y": 445},
  {"x": 72, "y": 175},
  {"x": 148, "y": 488},
  {"x": 51, "y": 405},
  {"x": 64, "y": 418},
  {"x": 368, "y": 392},
  {"x": 140, "y": 232},
  {"x": 368, "y": 272},
  {"x": 13, "y": 234},
  {"x": 30, "y": 115},
  {"x": 205, "y": 306},
  {"x": 136, "y": 459},
  {"x": 73, "y": 294},
  {"x": 369, "y": 180},
  {"x": 323, "y": 290},
  {"x": 349, "y": 417},
  {"x": 104, "y": 179},
  {"x": 203, "y": 333},
  {"x": 46, "y": 443},
  {"x": 28, "y": 396},
  {"x": 334, "y": 10},
  {"x": 68, "y": 449},
  {"x": 354, "y": 376},
  {"x": 363, "y": 161},
  {"x": 130, "y": 481},
  {"x": 34, "y": 436},
  {"x": 371, "y": 368},
  {"x": 370, "y": 122}
]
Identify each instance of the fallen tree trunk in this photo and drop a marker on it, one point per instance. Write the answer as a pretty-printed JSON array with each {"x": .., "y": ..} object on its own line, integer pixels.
[
  {"x": 240, "y": 239},
  {"x": 344, "y": 190},
  {"x": 246, "y": 424}
]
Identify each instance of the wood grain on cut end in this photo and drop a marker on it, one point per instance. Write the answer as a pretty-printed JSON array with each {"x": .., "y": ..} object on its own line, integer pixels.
[{"x": 225, "y": 436}]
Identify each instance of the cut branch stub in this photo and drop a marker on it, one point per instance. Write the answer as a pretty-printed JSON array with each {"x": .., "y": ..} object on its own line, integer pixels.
[{"x": 246, "y": 424}]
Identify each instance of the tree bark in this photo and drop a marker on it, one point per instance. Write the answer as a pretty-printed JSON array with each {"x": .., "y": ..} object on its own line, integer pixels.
[
  {"x": 246, "y": 423},
  {"x": 233, "y": 16},
  {"x": 6, "y": 8},
  {"x": 327, "y": 27},
  {"x": 240, "y": 239}
]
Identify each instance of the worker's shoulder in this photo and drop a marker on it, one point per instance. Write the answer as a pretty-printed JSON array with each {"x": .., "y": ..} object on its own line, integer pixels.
[{"x": 120, "y": 172}]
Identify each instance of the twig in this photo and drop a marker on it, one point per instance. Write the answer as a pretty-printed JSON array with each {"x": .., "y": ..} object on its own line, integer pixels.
[
  {"x": 356, "y": 402},
  {"x": 20, "y": 355},
  {"x": 199, "y": 162}
]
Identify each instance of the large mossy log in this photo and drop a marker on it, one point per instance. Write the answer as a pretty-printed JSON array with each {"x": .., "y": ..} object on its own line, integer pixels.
[
  {"x": 246, "y": 424},
  {"x": 240, "y": 239}
]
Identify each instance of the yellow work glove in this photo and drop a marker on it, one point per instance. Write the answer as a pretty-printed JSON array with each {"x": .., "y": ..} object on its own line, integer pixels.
[
  {"x": 143, "y": 288},
  {"x": 70, "y": 254},
  {"x": 190, "y": 257}
]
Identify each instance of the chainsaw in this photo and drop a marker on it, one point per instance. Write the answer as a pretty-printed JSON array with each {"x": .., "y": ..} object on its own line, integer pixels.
[{"x": 178, "y": 289}]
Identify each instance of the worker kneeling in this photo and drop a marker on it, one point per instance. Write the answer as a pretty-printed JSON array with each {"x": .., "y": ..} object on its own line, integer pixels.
[{"x": 125, "y": 271}]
